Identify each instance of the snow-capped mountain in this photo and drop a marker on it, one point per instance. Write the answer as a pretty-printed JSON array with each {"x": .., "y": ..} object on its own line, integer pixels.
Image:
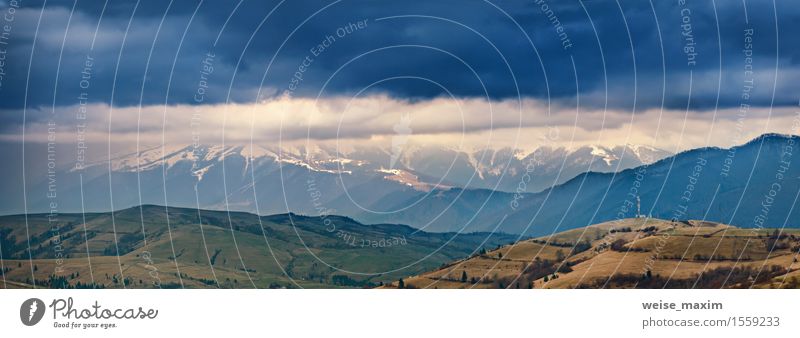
[
  {"x": 423, "y": 168},
  {"x": 312, "y": 180}
]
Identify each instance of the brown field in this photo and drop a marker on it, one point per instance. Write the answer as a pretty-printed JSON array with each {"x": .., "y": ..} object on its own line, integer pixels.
[{"x": 632, "y": 253}]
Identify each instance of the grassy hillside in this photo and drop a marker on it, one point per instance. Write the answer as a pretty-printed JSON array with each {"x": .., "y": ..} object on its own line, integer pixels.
[
  {"x": 631, "y": 253},
  {"x": 152, "y": 246}
]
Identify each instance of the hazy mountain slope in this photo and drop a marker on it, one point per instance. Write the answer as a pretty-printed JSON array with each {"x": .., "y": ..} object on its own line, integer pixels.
[{"x": 665, "y": 190}]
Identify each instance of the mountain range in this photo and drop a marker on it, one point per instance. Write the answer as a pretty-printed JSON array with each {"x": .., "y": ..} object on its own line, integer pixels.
[
  {"x": 285, "y": 179},
  {"x": 441, "y": 190}
]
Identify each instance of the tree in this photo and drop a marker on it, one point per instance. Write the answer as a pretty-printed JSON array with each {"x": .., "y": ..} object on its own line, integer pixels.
[
  {"x": 582, "y": 246},
  {"x": 463, "y": 276},
  {"x": 618, "y": 245},
  {"x": 401, "y": 284},
  {"x": 546, "y": 279}
]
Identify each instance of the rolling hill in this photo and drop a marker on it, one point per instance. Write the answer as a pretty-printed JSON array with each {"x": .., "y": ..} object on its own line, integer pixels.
[
  {"x": 631, "y": 253},
  {"x": 154, "y": 246}
]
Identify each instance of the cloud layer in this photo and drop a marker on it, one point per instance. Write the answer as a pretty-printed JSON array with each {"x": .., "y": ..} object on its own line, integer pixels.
[
  {"x": 634, "y": 51},
  {"x": 488, "y": 72},
  {"x": 344, "y": 122}
]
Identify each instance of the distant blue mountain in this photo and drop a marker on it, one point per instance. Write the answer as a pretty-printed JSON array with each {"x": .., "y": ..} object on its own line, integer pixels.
[{"x": 752, "y": 185}]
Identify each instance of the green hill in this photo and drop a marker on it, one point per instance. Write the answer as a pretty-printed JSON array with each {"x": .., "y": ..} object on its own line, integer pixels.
[{"x": 152, "y": 246}]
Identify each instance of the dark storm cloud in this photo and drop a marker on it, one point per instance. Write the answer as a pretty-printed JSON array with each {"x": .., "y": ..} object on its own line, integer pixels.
[{"x": 470, "y": 48}]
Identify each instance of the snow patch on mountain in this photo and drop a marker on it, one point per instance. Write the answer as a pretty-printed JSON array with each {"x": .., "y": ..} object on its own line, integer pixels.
[{"x": 420, "y": 167}]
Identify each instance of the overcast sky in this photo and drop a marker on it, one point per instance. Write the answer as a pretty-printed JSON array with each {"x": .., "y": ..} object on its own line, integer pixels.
[{"x": 473, "y": 73}]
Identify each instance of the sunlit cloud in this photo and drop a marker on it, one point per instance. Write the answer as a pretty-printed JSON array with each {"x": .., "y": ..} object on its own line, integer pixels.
[{"x": 372, "y": 120}]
